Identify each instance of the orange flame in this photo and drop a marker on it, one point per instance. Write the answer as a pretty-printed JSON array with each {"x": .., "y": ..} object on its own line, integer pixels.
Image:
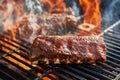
[
  {"x": 55, "y": 6},
  {"x": 92, "y": 15}
]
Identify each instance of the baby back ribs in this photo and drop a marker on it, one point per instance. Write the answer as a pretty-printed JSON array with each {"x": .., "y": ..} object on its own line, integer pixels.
[{"x": 68, "y": 49}]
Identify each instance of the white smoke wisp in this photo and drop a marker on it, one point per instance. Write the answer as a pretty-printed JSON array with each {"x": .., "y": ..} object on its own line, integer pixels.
[
  {"x": 33, "y": 23},
  {"x": 34, "y": 6},
  {"x": 110, "y": 27},
  {"x": 75, "y": 9},
  {"x": 111, "y": 13},
  {"x": 12, "y": 12},
  {"x": 6, "y": 16}
]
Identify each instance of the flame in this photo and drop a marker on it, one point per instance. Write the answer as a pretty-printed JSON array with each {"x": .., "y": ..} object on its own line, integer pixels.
[
  {"x": 92, "y": 15},
  {"x": 55, "y": 6}
]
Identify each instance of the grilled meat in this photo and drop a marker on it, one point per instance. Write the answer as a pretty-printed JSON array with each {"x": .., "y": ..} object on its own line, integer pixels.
[
  {"x": 68, "y": 49},
  {"x": 56, "y": 24},
  {"x": 49, "y": 24}
]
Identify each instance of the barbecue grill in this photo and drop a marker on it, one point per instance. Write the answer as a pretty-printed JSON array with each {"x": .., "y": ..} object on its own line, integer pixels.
[
  {"x": 15, "y": 64},
  {"x": 11, "y": 70}
]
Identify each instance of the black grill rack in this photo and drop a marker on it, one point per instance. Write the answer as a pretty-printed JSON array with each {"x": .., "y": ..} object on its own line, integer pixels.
[{"x": 10, "y": 70}]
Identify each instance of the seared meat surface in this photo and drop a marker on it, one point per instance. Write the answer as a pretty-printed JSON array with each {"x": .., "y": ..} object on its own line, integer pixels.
[{"x": 68, "y": 49}]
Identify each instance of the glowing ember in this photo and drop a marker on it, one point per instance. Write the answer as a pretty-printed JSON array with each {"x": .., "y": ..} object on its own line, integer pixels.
[
  {"x": 92, "y": 15},
  {"x": 55, "y": 5},
  {"x": 46, "y": 78},
  {"x": 18, "y": 63},
  {"x": 51, "y": 74}
]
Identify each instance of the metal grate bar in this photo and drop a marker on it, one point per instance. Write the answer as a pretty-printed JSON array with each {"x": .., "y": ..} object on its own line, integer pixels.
[
  {"x": 34, "y": 68},
  {"x": 81, "y": 72},
  {"x": 116, "y": 47},
  {"x": 14, "y": 45},
  {"x": 5, "y": 76},
  {"x": 45, "y": 75},
  {"x": 70, "y": 72},
  {"x": 23, "y": 61},
  {"x": 113, "y": 59},
  {"x": 111, "y": 63},
  {"x": 11, "y": 73},
  {"x": 113, "y": 55},
  {"x": 45, "y": 66},
  {"x": 115, "y": 32},
  {"x": 31, "y": 67},
  {"x": 112, "y": 38},
  {"x": 112, "y": 42},
  {"x": 62, "y": 76},
  {"x": 17, "y": 37},
  {"x": 31, "y": 75},
  {"x": 77, "y": 71},
  {"x": 97, "y": 72},
  {"x": 23, "y": 42},
  {"x": 87, "y": 70},
  {"x": 15, "y": 51},
  {"x": 110, "y": 68},
  {"x": 113, "y": 50}
]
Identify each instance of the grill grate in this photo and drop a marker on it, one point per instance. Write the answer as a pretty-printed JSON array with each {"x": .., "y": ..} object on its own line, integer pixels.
[{"x": 12, "y": 51}]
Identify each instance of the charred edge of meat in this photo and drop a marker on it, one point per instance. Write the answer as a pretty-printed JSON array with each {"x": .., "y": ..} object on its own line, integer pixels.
[{"x": 68, "y": 49}]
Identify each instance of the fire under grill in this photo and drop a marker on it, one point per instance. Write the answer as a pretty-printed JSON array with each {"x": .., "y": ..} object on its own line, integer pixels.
[{"x": 15, "y": 64}]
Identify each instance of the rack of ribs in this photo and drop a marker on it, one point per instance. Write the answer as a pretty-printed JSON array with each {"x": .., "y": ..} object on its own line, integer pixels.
[{"x": 68, "y": 49}]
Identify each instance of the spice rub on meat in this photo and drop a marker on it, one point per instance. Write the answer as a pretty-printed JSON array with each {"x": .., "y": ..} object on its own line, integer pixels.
[{"x": 68, "y": 49}]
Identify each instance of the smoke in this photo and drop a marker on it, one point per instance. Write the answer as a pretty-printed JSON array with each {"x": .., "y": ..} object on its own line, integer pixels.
[
  {"x": 111, "y": 12},
  {"x": 75, "y": 9},
  {"x": 34, "y": 6},
  {"x": 12, "y": 12}
]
